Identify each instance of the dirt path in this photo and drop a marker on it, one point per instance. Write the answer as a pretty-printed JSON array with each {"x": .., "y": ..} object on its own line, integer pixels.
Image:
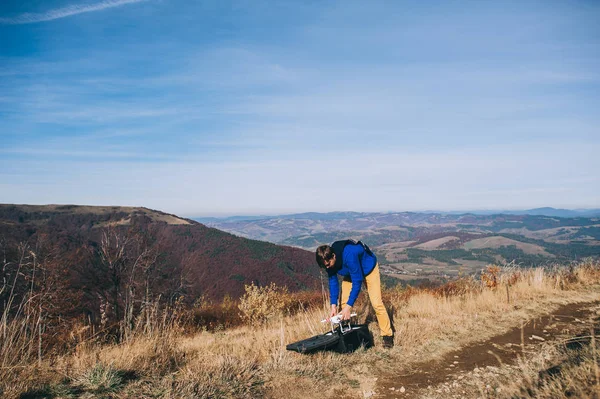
[{"x": 499, "y": 350}]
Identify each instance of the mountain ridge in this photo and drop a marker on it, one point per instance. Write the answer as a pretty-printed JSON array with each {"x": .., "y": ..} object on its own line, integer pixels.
[
  {"x": 542, "y": 211},
  {"x": 214, "y": 263},
  {"x": 412, "y": 245}
]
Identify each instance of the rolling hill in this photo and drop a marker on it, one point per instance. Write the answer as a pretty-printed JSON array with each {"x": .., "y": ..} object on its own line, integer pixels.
[
  {"x": 434, "y": 245},
  {"x": 112, "y": 257}
]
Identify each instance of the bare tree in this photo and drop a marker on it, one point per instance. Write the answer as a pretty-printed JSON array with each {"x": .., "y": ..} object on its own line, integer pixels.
[{"x": 113, "y": 255}]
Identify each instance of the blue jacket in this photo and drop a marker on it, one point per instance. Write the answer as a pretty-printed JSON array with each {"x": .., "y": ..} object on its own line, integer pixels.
[{"x": 355, "y": 261}]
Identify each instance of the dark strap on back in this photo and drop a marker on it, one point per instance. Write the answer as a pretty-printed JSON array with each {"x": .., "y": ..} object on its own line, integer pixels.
[{"x": 338, "y": 250}]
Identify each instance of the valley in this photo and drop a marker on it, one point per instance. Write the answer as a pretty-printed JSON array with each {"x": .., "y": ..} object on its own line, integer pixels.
[{"x": 413, "y": 247}]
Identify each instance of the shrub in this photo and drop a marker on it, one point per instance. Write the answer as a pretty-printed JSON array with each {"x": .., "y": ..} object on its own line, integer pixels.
[
  {"x": 260, "y": 304},
  {"x": 100, "y": 379},
  {"x": 490, "y": 277},
  {"x": 225, "y": 376},
  {"x": 462, "y": 286},
  {"x": 214, "y": 316},
  {"x": 588, "y": 270},
  {"x": 300, "y": 301}
]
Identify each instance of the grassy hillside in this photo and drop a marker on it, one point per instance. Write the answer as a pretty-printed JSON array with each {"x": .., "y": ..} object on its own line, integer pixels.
[{"x": 164, "y": 359}]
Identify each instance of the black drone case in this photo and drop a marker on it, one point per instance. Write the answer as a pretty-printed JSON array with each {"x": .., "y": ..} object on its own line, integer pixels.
[{"x": 342, "y": 340}]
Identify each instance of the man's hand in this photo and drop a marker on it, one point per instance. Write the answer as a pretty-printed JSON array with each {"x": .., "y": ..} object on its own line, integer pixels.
[
  {"x": 334, "y": 311},
  {"x": 346, "y": 312}
]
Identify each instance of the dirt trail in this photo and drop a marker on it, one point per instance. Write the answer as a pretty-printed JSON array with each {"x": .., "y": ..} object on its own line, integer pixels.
[{"x": 502, "y": 349}]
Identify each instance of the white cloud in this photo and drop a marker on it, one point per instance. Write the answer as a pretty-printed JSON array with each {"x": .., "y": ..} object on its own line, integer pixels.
[{"x": 29, "y": 18}]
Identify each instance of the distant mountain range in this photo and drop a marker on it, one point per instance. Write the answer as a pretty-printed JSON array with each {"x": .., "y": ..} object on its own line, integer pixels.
[
  {"x": 417, "y": 244},
  {"x": 545, "y": 211},
  {"x": 297, "y": 229}
]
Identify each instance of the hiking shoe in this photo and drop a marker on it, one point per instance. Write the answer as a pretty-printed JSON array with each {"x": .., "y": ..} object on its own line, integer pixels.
[{"x": 388, "y": 342}]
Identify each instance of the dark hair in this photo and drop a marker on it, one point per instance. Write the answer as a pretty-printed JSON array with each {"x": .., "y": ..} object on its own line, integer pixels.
[{"x": 324, "y": 253}]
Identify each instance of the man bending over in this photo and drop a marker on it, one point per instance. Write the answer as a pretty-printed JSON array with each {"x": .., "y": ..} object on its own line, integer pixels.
[{"x": 355, "y": 262}]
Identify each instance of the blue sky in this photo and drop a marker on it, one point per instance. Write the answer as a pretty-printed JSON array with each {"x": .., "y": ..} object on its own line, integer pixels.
[{"x": 265, "y": 107}]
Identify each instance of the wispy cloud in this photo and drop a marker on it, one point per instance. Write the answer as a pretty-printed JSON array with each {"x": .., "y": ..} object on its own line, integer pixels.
[
  {"x": 29, "y": 18},
  {"x": 75, "y": 153}
]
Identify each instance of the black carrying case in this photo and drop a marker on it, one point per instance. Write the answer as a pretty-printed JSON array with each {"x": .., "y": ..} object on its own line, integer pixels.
[{"x": 340, "y": 340}]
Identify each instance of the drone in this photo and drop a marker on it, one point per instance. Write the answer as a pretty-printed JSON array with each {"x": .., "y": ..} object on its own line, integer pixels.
[{"x": 336, "y": 321}]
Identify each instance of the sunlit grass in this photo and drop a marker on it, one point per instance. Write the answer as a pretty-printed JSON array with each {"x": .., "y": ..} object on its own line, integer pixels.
[{"x": 251, "y": 360}]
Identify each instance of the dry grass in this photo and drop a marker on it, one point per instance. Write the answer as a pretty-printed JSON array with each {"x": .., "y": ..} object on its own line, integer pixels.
[
  {"x": 251, "y": 360},
  {"x": 556, "y": 373},
  {"x": 557, "y": 370}
]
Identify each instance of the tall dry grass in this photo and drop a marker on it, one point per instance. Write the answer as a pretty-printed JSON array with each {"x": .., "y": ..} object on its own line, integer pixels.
[
  {"x": 556, "y": 373},
  {"x": 21, "y": 321},
  {"x": 169, "y": 360},
  {"x": 562, "y": 369},
  {"x": 20, "y": 343}
]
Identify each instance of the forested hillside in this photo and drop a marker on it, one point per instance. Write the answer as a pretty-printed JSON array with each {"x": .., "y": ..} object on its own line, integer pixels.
[{"x": 100, "y": 262}]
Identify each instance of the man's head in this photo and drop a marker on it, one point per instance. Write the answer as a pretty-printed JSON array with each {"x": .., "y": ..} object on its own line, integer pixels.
[{"x": 325, "y": 257}]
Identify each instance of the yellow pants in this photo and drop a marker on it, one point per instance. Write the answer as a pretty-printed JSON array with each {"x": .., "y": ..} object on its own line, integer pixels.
[{"x": 373, "y": 283}]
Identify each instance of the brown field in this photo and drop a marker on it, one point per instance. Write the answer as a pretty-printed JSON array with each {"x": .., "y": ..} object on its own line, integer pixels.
[
  {"x": 394, "y": 252},
  {"x": 393, "y": 228},
  {"x": 433, "y": 269},
  {"x": 396, "y": 245},
  {"x": 472, "y": 265},
  {"x": 545, "y": 234},
  {"x": 498, "y": 241},
  {"x": 434, "y": 244}
]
